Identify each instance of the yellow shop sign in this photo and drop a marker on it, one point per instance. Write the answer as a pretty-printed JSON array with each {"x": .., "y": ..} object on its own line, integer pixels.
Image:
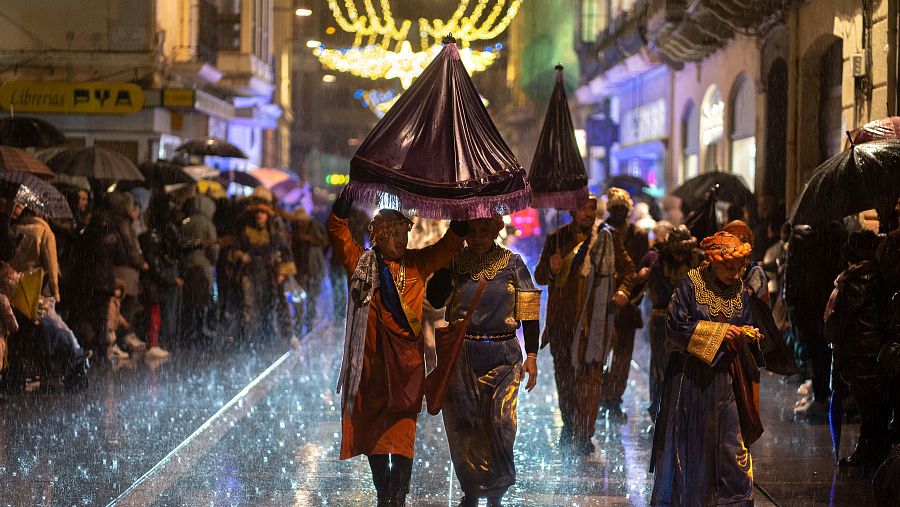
[{"x": 71, "y": 98}]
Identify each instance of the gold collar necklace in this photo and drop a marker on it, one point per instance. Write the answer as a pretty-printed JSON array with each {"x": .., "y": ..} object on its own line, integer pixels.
[
  {"x": 717, "y": 298},
  {"x": 477, "y": 266}
]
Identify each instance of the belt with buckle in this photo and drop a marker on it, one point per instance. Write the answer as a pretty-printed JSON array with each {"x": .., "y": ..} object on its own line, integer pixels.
[{"x": 491, "y": 337}]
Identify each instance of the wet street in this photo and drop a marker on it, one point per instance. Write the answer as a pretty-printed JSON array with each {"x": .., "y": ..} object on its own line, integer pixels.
[{"x": 261, "y": 426}]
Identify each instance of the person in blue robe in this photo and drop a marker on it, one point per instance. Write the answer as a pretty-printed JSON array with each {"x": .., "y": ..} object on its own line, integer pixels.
[{"x": 709, "y": 416}]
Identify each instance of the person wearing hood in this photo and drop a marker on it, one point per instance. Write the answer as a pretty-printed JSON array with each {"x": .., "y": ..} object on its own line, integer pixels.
[
  {"x": 308, "y": 242},
  {"x": 200, "y": 251},
  {"x": 628, "y": 316},
  {"x": 36, "y": 249}
]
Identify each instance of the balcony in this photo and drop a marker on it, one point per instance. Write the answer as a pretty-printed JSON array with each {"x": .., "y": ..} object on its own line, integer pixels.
[{"x": 690, "y": 30}]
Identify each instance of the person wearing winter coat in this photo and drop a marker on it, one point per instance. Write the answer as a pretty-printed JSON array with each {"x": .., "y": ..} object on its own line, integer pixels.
[
  {"x": 36, "y": 249},
  {"x": 200, "y": 251},
  {"x": 855, "y": 325}
]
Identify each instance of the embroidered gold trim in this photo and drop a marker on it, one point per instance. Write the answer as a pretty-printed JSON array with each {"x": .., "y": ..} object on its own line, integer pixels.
[
  {"x": 528, "y": 304},
  {"x": 707, "y": 339},
  {"x": 478, "y": 266},
  {"x": 717, "y": 300}
]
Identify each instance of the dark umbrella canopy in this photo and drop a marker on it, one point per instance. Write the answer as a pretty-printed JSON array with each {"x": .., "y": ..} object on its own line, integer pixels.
[
  {"x": 732, "y": 189},
  {"x": 558, "y": 179},
  {"x": 14, "y": 159},
  {"x": 212, "y": 147},
  {"x": 97, "y": 163},
  {"x": 42, "y": 198},
  {"x": 239, "y": 177},
  {"x": 437, "y": 153},
  {"x": 863, "y": 177},
  {"x": 25, "y": 132},
  {"x": 163, "y": 172}
]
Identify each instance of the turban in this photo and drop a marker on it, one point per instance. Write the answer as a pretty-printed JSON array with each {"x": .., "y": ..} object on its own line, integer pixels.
[
  {"x": 723, "y": 247},
  {"x": 617, "y": 196},
  {"x": 387, "y": 220}
]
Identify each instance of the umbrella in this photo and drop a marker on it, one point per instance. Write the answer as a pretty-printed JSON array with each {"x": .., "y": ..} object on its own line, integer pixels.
[
  {"x": 163, "y": 172},
  {"x": 437, "y": 153},
  {"x": 731, "y": 189},
  {"x": 290, "y": 191},
  {"x": 269, "y": 177},
  {"x": 24, "y": 132},
  {"x": 40, "y": 197},
  {"x": 865, "y": 176},
  {"x": 558, "y": 179},
  {"x": 210, "y": 146},
  {"x": 47, "y": 153},
  {"x": 200, "y": 172},
  {"x": 67, "y": 180},
  {"x": 239, "y": 177},
  {"x": 14, "y": 159},
  {"x": 885, "y": 128},
  {"x": 97, "y": 163}
]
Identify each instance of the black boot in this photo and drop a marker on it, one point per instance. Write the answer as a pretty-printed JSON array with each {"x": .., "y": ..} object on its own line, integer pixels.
[
  {"x": 391, "y": 474},
  {"x": 468, "y": 501},
  {"x": 496, "y": 501}
]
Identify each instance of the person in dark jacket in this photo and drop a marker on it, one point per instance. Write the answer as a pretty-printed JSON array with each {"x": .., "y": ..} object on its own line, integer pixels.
[
  {"x": 806, "y": 290},
  {"x": 108, "y": 250},
  {"x": 855, "y": 326},
  {"x": 628, "y": 317},
  {"x": 199, "y": 254}
]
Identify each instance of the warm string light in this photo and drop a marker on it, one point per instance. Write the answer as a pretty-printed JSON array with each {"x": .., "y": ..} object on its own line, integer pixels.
[
  {"x": 376, "y": 62},
  {"x": 381, "y": 50}
]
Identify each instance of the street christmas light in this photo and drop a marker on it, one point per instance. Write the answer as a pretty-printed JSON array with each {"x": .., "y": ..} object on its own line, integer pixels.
[
  {"x": 313, "y": 43},
  {"x": 303, "y": 12},
  {"x": 328, "y": 78}
]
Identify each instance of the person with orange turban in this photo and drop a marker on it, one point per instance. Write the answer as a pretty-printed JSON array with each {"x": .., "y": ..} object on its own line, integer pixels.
[{"x": 708, "y": 416}]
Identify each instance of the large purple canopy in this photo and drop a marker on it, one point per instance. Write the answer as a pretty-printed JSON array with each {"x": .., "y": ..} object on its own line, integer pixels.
[
  {"x": 558, "y": 179},
  {"x": 436, "y": 153}
]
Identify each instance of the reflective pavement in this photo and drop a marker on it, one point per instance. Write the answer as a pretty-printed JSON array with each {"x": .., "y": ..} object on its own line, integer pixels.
[{"x": 260, "y": 426}]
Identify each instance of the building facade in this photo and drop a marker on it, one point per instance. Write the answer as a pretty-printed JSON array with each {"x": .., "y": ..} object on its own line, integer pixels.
[
  {"x": 191, "y": 68},
  {"x": 764, "y": 90}
]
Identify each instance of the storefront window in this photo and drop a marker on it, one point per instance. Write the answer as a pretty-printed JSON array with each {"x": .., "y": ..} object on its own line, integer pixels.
[
  {"x": 712, "y": 126},
  {"x": 690, "y": 142},
  {"x": 743, "y": 129}
]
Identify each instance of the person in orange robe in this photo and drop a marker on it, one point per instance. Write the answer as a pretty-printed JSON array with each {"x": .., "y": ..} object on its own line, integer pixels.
[{"x": 382, "y": 378}]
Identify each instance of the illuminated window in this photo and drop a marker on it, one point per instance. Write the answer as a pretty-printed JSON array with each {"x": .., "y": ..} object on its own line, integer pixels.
[{"x": 743, "y": 130}]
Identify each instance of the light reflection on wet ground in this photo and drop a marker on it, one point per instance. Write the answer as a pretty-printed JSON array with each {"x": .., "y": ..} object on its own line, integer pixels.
[{"x": 87, "y": 448}]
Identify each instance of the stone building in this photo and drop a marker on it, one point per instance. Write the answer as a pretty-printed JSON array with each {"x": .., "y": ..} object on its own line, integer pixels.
[{"x": 762, "y": 89}]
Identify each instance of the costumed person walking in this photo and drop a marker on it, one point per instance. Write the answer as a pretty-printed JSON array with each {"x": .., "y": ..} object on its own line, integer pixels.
[
  {"x": 383, "y": 371},
  {"x": 491, "y": 290},
  {"x": 586, "y": 272},
  {"x": 628, "y": 316},
  {"x": 661, "y": 269},
  {"x": 708, "y": 415}
]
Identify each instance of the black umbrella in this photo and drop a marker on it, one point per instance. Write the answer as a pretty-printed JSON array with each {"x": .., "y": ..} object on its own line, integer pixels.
[
  {"x": 557, "y": 176},
  {"x": 24, "y": 132},
  {"x": 731, "y": 189},
  {"x": 97, "y": 163},
  {"x": 239, "y": 177},
  {"x": 162, "y": 172},
  {"x": 42, "y": 198},
  {"x": 865, "y": 176},
  {"x": 210, "y": 146}
]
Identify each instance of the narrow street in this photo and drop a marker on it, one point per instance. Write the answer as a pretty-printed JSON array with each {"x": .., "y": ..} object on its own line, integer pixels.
[{"x": 226, "y": 427}]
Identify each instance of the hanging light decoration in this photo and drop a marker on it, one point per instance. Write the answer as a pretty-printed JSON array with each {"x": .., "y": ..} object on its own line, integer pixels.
[{"x": 382, "y": 50}]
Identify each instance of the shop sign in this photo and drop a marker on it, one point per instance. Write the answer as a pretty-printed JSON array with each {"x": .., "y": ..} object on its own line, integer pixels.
[
  {"x": 71, "y": 98},
  {"x": 178, "y": 97},
  {"x": 644, "y": 123}
]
